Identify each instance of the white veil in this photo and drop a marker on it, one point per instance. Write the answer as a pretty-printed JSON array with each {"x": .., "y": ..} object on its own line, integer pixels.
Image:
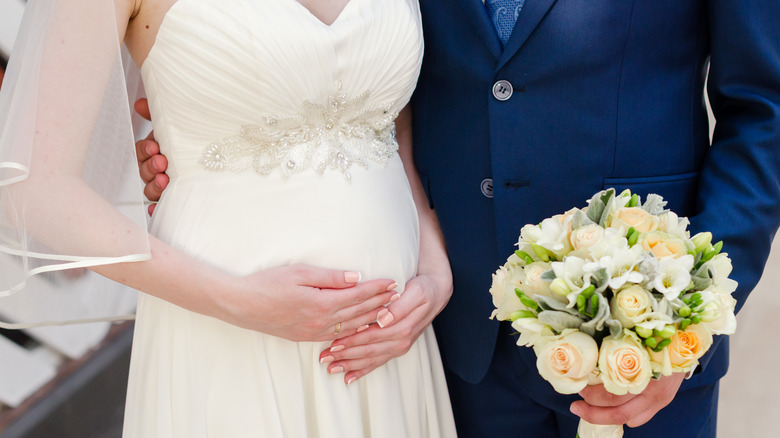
[{"x": 70, "y": 194}]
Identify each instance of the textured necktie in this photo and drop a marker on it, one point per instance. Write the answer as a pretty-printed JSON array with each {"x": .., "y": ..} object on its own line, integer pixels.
[{"x": 504, "y": 14}]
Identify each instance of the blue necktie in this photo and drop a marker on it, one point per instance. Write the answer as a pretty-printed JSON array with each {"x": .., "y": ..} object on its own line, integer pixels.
[{"x": 504, "y": 14}]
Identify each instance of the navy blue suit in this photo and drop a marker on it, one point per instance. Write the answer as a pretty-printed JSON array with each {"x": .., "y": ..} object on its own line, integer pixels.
[{"x": 606, "y": 93}]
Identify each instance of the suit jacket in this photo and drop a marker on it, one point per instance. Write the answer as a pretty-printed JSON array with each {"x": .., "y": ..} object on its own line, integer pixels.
[{"x": 606, "y": 93}]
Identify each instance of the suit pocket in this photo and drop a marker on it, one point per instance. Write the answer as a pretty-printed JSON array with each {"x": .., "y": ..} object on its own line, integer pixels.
[{"x": 678, "y": 190}]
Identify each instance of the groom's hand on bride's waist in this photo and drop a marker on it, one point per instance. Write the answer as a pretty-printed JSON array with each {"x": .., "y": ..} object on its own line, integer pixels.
[
  {"x": 151, "y": 163},
  {"x": 633, "y": 410}
]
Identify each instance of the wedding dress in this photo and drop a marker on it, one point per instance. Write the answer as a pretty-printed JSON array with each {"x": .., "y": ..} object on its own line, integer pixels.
[{"x": 278, "y": 131}]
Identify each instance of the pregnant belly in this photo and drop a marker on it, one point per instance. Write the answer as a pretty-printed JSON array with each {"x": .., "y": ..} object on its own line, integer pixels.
[{"x": 245, "y": 222}]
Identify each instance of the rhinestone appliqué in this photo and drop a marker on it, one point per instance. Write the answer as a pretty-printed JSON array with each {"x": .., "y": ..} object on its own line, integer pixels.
[{"x": 335, "y": 135}]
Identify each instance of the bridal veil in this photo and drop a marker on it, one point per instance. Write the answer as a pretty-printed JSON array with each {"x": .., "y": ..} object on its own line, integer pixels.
[{"x": 70, "y": 195}]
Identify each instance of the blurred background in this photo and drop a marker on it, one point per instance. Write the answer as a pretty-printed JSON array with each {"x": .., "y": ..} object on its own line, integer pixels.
[{"x": 70, "y": 381}]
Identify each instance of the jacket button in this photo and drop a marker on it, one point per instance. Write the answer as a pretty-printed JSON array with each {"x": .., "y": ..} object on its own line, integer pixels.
[
  {"x": 502, "y": 90},
  {"x": 487, "y": 187}
]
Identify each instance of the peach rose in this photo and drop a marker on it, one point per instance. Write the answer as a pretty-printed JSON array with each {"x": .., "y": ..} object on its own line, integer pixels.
[
  {"x": 624, "y": 364},
  {"x": 635, "y": 217},
  {"x": 663, "y": 245},
  {"x": 683, "y": 354},
  {"x": 566, "y": 360}
]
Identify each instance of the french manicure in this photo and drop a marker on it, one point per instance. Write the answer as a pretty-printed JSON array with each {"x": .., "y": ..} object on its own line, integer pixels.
[
  {"x": 395, "y": 298},
  {"x": 352, "y": 277},
  {"x": 327, "y": 359},
  {"x": 384, "y": 317},
  {"x": 392, "y": 286},
  {"x": 362, "y": 327},
  {"x": 351, "y": 379},
  {"x": 336, "y": 370},
  {"x": 337, "y": 348}
]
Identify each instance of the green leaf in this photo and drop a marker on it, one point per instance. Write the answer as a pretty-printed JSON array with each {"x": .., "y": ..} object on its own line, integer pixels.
[{"x": 524, "y": 256}]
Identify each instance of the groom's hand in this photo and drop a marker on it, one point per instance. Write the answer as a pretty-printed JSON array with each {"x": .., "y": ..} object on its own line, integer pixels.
[
  {"x": 151, "y": 163},
  {"x": 360, "y": 353},
  {"x": 633, "y": 410}
]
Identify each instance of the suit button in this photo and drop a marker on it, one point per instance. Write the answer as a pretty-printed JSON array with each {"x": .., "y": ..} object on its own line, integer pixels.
[
  {"x": 502, "y": 90},
  {"x": 487, "y": 187}
]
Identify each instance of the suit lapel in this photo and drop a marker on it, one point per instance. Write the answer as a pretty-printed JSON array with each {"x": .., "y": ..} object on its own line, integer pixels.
[
  {"x": 533, "y": 12},
  {"x": 476, "y": 14}
]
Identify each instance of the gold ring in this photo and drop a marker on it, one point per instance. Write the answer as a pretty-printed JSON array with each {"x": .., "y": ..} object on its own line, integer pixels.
[{"x": 338, "y": 328}]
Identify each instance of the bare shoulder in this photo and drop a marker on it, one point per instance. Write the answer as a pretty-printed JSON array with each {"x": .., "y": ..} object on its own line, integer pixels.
[{"x": 144, "y": 23}]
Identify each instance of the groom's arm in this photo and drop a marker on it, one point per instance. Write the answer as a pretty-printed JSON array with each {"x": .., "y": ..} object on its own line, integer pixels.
[{"x": 739, "y": 186}]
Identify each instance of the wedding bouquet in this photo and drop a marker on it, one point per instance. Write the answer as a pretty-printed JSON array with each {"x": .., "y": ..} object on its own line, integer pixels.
[{"x": 615, "y": 293}]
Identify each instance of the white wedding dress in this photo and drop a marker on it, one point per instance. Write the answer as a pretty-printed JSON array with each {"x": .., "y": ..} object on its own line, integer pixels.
[{"x": 278, "y": 131}]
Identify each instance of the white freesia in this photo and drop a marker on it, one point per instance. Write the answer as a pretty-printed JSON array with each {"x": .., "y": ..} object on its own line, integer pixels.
[
  {"x": 674, "y": 275},
  {"x": 621, "y": 267},
  {"x": 530, "y": 330},
  {"x": 566, "y": 360},
  {"x": 624, "y": 364},
  {"x": 550, "y": 234},
  {"x": 673, "y": 225},
  {"x": 503, "y": 291}
]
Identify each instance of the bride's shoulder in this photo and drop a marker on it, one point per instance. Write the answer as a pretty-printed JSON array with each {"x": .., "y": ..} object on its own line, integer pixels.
[{"x": 145, "y": 21}]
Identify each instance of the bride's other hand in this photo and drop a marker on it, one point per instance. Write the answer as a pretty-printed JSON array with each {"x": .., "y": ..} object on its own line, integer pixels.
[
  {"x": 151, "y": 163},
  {"x": 360, "y": 353}
]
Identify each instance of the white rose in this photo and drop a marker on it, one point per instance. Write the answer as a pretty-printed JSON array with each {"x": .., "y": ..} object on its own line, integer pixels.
[
  {"x": 534, "y": 284},
  {"x": 632, "y": 306},
  {"x": 586, "y": 236},
  {"x": 624, "y": 364},
  {"x": 718, "y": 316},
  {"x": 505, "y": 299},
  {"x": 566, "y": 360}
]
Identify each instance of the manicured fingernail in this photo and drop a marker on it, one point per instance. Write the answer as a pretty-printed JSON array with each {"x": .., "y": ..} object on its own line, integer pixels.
[
  {"x": 384, "y": 317},
  {"x": 395, "y": 298},
  {"x": 336, "y": 370},
  {"x": 352, "y": 277},
  {"x": 327, "y": 359},
  {"x": 148, "y": 149},
  {"x": 392, "y": 286},
  {"x": 574, "y": 410},
  {"x": 351, "y": 379},
  {"x": 362, "y": 327},
  {"x": 337, "y": 348}
]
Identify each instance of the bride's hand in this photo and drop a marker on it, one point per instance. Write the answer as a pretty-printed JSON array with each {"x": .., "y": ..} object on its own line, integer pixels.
[
  {"x": 304, "y": 303},
  {"x": 359, "y": 354}
]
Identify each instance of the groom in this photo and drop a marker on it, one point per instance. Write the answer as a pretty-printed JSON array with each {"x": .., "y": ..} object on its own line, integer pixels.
[{"x": 517, "y": 120}]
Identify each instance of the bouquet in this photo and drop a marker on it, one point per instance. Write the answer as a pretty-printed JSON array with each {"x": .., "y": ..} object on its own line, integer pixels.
[{"x": 615, "y": 293}]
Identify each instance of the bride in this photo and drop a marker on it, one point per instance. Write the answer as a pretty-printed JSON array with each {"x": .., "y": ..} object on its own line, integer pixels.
[{"x": 293, "y": 217}]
